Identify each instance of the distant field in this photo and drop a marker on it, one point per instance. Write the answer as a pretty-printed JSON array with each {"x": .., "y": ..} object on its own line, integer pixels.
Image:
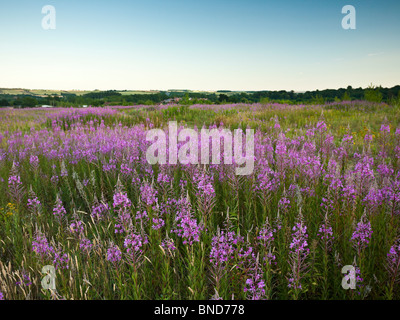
[
  {"x": 125, "y": 93},
  {"x": 59, "y": 92},
  {"x": 40, "y": 92},
  {"x": 43, "y": 92}
]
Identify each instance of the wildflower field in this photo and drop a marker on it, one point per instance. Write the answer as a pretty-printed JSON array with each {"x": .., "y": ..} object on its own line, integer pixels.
[{"x": 77, "y": 193}]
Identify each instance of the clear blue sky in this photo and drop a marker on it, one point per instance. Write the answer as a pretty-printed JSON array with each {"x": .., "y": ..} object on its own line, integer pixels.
[{"x": 200, "y": 45}]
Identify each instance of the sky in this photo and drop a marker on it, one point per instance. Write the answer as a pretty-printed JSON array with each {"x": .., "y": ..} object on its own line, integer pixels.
[{"x": 199, "y": 45}]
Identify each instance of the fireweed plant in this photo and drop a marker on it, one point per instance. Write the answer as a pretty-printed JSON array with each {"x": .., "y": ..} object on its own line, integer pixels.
[{"x": 77, "y": 193}]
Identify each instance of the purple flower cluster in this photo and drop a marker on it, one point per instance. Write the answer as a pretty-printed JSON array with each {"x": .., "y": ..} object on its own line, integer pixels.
[
  {"x": 15, "y": 186},
  {"x": 14, "y": 181},
  {"x": 362, "y": 235},
  {"x": 46, "y": 252},
  {"x": 59, "y": 211},
  {"x": 41, "y": 246},
  {"x": 168, "y": 244},
  {"x": 25, "y": 281},
  {"x": 325, "y": 233},
  {"x": 77, "y": 228},
  {"x": 126, "y": 170},
  {"x": 255, "y": 285},
  {"x": 114, "y": 254},
  {"x": 148, "y": 195},
  {"x": 284, "y": 204},
  {"x": 385, "y": 128},
  {"x": 266, "y": 235},
  {"x": 33, "y": 203},
  {"x": 187, "y": 227},
  {"x": 393, "y": 262},
  {"x": 121, "y": 200},
  {"x": 124, "y": 220},
  {"x": 222, "y": 248},
  {"x": 394, "y": 254},
  {"x": 205, "y": 186},
  {"x": 142, "y": 215},
  {"x": 86, "y": 246},
  {"x": 100, "y": 211},
  {"x": 298, "y": 254},
  {"x": 299, "y": 239},
  {"x": 60, "y": 260},
  {"x": 134, "y": 243},
  {"x": 158, "y": 223}
]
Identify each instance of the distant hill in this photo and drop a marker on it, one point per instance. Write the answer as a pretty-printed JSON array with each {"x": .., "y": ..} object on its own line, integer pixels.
[
  {"x": 45, "y": 92},
  {"x": 75, "y": 98}
]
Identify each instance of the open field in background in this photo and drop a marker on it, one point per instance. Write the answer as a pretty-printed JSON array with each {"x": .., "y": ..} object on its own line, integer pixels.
[
  {"x": 43, "y": 92},
  {"x": 38, "y": 92},
  {"x": 76, "y": 192}
]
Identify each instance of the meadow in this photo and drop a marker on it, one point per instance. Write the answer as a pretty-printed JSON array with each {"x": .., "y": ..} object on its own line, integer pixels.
[{"x": 77, "y": 193}]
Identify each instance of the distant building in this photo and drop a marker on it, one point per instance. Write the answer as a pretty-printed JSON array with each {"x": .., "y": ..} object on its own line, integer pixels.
[
  {"x": 46, "y": 106},
  {"x": 170, "y": 100}
]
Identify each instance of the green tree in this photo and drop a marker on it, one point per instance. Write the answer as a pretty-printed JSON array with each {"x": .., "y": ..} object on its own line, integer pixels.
[
  {"x": 318, "y": 99},
  {"x": 29, "y": 102},
  {"x": 4, "y": 103},
  {"x": 346, "y": 96},
  {"x": 223, "y": 98},
  {"x": 373, "y": 94}
]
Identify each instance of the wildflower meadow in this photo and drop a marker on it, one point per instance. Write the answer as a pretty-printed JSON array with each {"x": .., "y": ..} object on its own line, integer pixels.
[{"x": 77, "y": 194}]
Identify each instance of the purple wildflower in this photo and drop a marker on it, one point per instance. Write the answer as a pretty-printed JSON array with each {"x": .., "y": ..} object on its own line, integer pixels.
[
  {"x": 114, "y": 254},
  {"x": 362, "y": 235},
  {"x": 168, "y": 244},
  {"x": 86, "y": 246},
  {"x": 60, "y": 260},
  {"x": 25, "y": 279},
  {"x": 41, "y": 246},
  {"x": 222, "y": 248},
  {"x": 255, "y": 285},
  {"x": 59, "y": 211},
  {"x": 298, "y": 254},
  {"x": 121, "y": 200},
  {"x": 148, "y": 195},
  {"x": 100, "y": 211}
]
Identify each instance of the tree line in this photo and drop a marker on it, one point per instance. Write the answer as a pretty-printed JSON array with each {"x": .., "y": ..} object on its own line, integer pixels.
[{"x": 112, "y": 97}]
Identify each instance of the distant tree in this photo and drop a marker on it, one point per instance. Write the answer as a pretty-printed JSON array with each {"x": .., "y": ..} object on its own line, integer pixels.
[
  {"x": 223, "y": 98},
  {"x": 4, "y": 103},
  {"x": 98, "y": 103},
  {"x": 318, "y": 99},
  {"x": 264, "y": 100},
  {"x": 185, "y": 100},
  {"x": 29, "y": 102},
  {"x": 346, "y": 96},
  {"x": 373, "y": 94},
  {"x": 148, "y": 103}
]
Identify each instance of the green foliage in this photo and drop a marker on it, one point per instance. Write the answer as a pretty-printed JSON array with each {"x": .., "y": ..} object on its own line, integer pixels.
[
  {"x": 29, "y": 102},
  {"x": 318, "y": 99},
  {"x": 373, "y": 94},
  {"x": 127, "y": 98},
  {"x": 346, "y": 97}
]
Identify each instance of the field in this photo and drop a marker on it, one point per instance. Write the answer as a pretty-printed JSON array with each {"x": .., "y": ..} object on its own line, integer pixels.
[
  {"x": 77, "y": 193},
  {"x": 39, "y": 92}
]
